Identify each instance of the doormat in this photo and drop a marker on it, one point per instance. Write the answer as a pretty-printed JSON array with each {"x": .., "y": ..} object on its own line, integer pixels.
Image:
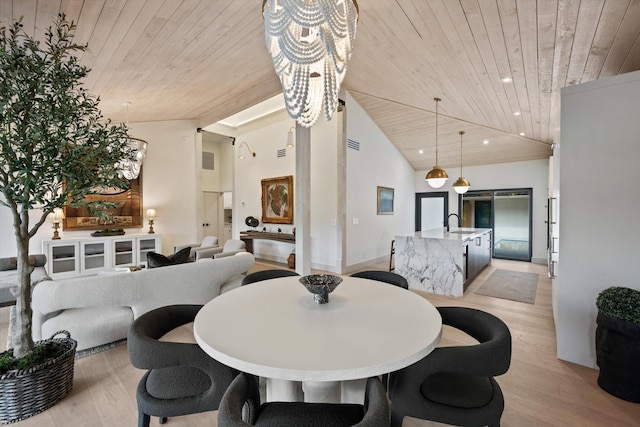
[{"x": 511, "y": 285}]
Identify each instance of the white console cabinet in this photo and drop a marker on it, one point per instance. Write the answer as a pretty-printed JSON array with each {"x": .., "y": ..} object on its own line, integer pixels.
[{"x": 90, "y": 255}]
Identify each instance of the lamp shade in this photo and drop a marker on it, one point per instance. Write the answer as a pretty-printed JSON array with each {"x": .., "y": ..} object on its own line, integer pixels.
[
  {"x": 151, "y": 213},
  {"x": 436, "y": 177},
  {"x": 58, "y": 214},
  {"x": 461, "y": 185},
  {"x": 310, "y": 44}
]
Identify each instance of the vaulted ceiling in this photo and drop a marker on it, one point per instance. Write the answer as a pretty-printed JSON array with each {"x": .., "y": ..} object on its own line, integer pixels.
[{"x": 206, "y": 60}]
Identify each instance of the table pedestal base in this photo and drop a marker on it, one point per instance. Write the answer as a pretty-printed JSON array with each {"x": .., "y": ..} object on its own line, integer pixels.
[
  {"x": 316, "y": 391},
  {"x": 283, "y": 391}
]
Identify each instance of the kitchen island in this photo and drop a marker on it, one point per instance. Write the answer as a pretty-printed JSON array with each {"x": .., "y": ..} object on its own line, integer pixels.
[{"x": 443, "y": 262}]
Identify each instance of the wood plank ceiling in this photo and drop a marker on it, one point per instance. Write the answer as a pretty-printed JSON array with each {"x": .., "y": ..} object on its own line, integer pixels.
[{"x": 206, "y": 60}]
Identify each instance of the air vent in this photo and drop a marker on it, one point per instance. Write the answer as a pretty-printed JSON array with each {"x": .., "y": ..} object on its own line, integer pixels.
[
  {"x": 207, "y": 160},
  {"x": 282, "y": 153},
  {"x": 354, "y": 145}
]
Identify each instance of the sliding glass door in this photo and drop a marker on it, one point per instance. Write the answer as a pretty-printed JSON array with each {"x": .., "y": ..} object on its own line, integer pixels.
[{"x": 508, "y": 213}]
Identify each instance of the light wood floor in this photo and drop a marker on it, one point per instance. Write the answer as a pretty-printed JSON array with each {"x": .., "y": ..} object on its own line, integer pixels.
[{"x": 539, "y": 389}]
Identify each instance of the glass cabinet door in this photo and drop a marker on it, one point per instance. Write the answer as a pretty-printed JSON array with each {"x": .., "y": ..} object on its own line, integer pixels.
[
  {"x": 64, "y": 258},
  {"x": 145, "y": 245},
  {"x": 123, "y": 251},
  {"x": 93, "y": 256}
]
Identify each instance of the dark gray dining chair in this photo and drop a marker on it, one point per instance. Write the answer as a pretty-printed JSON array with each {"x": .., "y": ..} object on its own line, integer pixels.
[
  {"x": 455, "y": 385},
  {"x": 243, "y": 393},
  {"x": 261, "y": 275},
  {"x": 181, "y": 378},
  {"x": 383, "y": 276}
]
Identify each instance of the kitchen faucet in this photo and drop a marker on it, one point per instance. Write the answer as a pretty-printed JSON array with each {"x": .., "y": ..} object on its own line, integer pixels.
[{"x": 459, "y": 220}]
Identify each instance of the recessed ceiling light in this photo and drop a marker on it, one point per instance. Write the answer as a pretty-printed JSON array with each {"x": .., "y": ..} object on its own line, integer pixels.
[
  {"x": 421, "y": 151},
  {"x": 521, "y": 133},
  {"x": 485, "y": 142},
  {"x": 507, "y": 80},
  {"x": 517, "y": 113}
]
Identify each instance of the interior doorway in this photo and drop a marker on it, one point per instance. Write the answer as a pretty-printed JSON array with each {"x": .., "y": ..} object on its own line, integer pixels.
[
  {"x": 431, "y": 210},
  {"x": 210, "y": 214}
]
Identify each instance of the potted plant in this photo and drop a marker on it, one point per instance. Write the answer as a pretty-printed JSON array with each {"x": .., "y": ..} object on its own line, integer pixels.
[
  {"x": 618, "y": 342},
  {"x": 55, "y": 149}
]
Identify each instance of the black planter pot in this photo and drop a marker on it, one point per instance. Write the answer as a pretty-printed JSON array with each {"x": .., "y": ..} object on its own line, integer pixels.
[{"x": 618, "y": 356}]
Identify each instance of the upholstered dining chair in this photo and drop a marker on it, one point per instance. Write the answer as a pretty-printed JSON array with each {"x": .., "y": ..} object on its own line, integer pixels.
[
  {"x": 181, "y": 378},
  {"x": 261, "y": 275},
  {"x": 243, "y": 393},
  {"x": 208, "y": 242},
  {"x": 383, "y": 276},
  {"x": 455, "y": 385}
]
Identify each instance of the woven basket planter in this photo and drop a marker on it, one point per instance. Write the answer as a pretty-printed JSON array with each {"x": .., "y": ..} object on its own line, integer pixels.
[{"x": 28, "y": 392}]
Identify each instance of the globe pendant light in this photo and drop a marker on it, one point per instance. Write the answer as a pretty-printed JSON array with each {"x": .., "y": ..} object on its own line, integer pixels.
[
  {"x": 461, "y": 185},
  {"x": 436, "y": 176},
  {"x": 310, "y": 43}
]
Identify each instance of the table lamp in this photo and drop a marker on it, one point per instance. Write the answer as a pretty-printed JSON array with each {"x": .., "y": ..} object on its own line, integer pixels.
[
  {"x": 58, "y": 214},
  {"x": 151, "y": 214}
]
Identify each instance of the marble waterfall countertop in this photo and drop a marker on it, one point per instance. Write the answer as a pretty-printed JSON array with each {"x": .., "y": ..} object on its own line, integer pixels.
[{"x": 433, "y": 260}]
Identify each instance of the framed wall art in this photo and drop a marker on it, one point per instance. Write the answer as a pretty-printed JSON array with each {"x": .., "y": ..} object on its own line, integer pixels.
[
  {"x": 126, "y": 214},
  {"x": 385, "y": 201},
  {"x": 277, "y": 200}
]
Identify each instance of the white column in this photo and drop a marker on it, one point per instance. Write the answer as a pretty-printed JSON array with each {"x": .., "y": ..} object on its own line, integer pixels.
[{"x": 302, "y": 193}]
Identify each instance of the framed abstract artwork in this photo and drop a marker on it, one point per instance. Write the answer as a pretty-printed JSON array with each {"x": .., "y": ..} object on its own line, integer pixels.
[
  {"x": 385, "y": 201},
  {"x": 277, "y": 200}
]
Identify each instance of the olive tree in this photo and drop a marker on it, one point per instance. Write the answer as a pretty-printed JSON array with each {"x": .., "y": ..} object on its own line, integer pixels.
[{"x": 55, "y": 145}]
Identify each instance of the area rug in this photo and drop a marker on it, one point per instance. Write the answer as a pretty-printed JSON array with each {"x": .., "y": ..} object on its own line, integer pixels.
[{"x": 511, "y": 285}]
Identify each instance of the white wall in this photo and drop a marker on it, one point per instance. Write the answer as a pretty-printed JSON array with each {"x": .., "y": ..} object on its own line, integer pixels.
[
  {"x": 170, "y": 180},
  {"x": 210, "y": 179},
  {"x": 378, "y": 163},
  {"x": 528, "y": 174},
  {"x": 266, "y": 139},
  {"x": 599, "y": 217},
  {"x": 168, "y": 185}
]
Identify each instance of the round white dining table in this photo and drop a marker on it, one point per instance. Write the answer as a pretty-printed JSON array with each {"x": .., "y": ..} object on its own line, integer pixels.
[{"x": 274, "y": 329}]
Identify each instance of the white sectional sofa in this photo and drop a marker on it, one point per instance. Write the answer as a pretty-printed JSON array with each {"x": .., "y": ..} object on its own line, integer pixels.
[{"x": 98, "y": 310}]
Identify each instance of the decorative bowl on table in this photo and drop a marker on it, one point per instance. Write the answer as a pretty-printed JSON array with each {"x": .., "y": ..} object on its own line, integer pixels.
[{"x": 320, "y": 285}]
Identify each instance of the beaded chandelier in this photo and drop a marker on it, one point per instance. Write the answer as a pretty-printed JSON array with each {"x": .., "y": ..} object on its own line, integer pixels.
[{"x": 310, "y": 44}]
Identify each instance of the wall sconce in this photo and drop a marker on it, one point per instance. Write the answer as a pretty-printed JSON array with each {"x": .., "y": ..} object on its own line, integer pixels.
[
  {"x": 241, "y": 156},
  {"x": 290, "y": 137},
  {"x": 151, "y": 215},
  {"x": 58, "y": 215}
]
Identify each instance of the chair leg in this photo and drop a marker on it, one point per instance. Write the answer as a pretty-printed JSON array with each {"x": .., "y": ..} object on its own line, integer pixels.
[
  {"x": 143, "y": 419},
  {"x": 163, "y": 420},
  {"x": 396, "y": 419}
]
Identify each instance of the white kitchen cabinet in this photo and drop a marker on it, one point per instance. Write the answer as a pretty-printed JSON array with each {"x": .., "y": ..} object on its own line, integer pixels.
[
  {"x": 91, "y": 255},
  {"x": 227, "y": 199}
]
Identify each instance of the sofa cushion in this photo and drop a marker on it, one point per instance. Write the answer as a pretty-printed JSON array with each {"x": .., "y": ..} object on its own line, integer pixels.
[
  {"x": 91, "y": 326},
  {"x": 155, "y": 259}
]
